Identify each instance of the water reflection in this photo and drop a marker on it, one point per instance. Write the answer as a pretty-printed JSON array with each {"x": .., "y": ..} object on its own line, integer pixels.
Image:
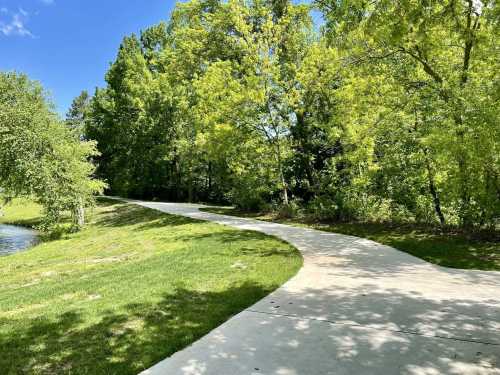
[{"x": 14, "y": 239}]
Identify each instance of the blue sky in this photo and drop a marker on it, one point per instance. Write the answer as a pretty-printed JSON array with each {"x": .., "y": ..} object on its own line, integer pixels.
[{"x": 68, "y": 44}]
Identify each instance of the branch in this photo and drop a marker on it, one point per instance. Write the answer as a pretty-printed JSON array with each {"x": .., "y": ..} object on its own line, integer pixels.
[{"x": 425, "y": 64}]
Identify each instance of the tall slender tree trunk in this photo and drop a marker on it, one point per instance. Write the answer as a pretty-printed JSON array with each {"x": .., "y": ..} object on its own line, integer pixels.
[
  {"x": 307, "y": 162},
  {"x": 209, "y": 176},
  {"x": 190, "y": 186},
  {"x": 433, "y": 190},
  {"x": 471, "y": 27},
  {"x": 430, "y": 178},
  {"x": 285, "y": 190},
  {"x": 464, "y": 212},
  {"x": 282, "y": 176},
  {"x": 176, "y": 174},
  {"x": 190, "y": 182}
]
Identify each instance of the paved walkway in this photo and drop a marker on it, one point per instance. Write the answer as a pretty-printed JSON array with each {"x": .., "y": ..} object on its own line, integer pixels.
[{"x": 356, "y": 307}]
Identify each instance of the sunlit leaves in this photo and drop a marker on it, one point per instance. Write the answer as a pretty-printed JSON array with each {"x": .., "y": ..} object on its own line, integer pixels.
[{"x": 39, "y": 155}]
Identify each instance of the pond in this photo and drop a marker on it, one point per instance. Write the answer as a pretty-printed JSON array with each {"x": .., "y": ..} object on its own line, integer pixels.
[{"x": 14, "y": 239}]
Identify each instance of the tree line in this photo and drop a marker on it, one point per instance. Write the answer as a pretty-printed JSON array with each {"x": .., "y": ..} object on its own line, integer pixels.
[{"x": 387, "y": 111}]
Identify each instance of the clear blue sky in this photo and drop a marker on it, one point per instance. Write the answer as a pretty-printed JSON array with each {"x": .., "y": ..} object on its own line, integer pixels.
[{"x": 68, "y": 44}]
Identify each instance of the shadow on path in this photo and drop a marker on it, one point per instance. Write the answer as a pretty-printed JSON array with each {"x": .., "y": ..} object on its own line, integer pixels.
[{"x": 319, "y": 332}]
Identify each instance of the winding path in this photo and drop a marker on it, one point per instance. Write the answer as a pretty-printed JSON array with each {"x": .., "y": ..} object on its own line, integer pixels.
[{"x": 356, "y": 307}]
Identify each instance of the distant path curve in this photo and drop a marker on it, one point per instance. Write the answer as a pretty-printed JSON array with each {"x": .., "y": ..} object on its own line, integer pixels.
[{"x": 356, "y": 307}]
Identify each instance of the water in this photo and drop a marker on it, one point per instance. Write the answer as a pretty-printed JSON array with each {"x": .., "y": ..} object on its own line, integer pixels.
[{"x": 14, "y": 239}]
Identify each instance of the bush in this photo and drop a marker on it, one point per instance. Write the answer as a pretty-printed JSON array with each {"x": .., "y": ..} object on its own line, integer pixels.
[
  {"x": 288, "y": 211},
  {"x": 323, "y": 208},
  {"x": 248, "y": 199}
]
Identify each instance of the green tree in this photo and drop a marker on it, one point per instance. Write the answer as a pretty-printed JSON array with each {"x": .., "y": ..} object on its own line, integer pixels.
[
  {"x": 441, "y": 56},
  {"x": 75, "y": 118},
  {"x": 250, "y": 93},
  {"x": 39, "y": 156},
  {"x": 390, "y": 114},
  {"x": 131, "y": 121}
]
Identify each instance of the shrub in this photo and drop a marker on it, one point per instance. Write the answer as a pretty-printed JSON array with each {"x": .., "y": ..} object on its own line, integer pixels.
[
  {"x": 323, "y": 207},
  {"x": 288, "y": 211}
]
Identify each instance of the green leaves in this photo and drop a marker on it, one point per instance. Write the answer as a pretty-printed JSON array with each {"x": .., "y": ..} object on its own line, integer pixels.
[
  {"x": 39, "y": 155},
  {"x": 391, "y": 112},
  {"x": 429, "y": 63}
]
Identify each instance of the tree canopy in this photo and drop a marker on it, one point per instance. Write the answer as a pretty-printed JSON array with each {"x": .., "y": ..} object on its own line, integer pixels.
[{"x": 388, "y": 112}]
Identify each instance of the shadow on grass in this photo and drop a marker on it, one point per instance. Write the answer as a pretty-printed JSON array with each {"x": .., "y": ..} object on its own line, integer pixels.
[
  {"x": 228, "y": 236},
  {"x": 107, "y": 202},
  {"x": 27, "y": 223},
  {"x": 242, "y": 240},
  {"x": 128, "y": 214},
  {"x": 449, "y": 247},
  {"x": 123, "y": 342}
]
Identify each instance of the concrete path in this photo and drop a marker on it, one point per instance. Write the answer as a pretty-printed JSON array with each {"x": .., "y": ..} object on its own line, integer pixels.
[{"x": 356, "y": 307}]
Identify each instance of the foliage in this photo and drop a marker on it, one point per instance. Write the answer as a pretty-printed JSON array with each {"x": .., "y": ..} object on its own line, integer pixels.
[
  {"x": 390, "y": 112},
  {"x": 75, "y": 118},
  {"x": 39, "y": 156},
  {"x": 288, "y": 211},
  {"x": 434, "y": 121}
]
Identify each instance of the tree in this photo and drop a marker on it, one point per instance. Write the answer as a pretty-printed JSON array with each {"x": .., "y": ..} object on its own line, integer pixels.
[
  {"x": 39, "y": 156},
  {"x": 75, "y": 118},
  {"x": 131, "y": 121},
  {"x": 250, "y": 93},
  {"x": 391, "y": 113},
  {"x": 317, "y": 134},
  {"x": 440, "y": 55}
]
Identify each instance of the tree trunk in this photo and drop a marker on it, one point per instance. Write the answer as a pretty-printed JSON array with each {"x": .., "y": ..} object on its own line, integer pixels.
[
  {"x": 79, "y": 215},
  {"x": 434, "y": 193},
  {"x": 301, "y": 124},
  {"x": 461, "y": 159},
  {"x": 209, "y": 176},
  {"x": 285, "y": 192},
  {"x": 280, "y": 171},
  {"x": 190, "y": 188},
  {"x": 430, "y": 177},
  {"x": 471, "y": 27}
]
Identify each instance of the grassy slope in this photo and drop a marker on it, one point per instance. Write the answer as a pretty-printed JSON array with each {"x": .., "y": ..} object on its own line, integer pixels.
[
  {"x": 131, "y": 289},
  {"x": 450, "y": 249},
  {"x": 21, "y": 212}
]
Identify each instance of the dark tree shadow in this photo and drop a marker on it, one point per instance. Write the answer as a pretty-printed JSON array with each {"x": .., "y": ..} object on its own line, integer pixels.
[
  {"x": 128, "y": 215},
  {"x": 358, "y": 330},
  {"x": 107, "y": 202},
  {"x": 230, "y": 236},
  {"x": 242, "y": 239},
  {"x": 120, "y": 343}
]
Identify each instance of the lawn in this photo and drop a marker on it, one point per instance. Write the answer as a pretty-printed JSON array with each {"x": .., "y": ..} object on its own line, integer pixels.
[
  {"x": 132, "y": 288},
  {"x": 449, "y": 248},
  {"x": 21, "y": 212}
]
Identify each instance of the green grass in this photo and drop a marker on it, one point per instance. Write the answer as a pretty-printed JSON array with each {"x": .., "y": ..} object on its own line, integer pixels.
[
  {"x": 132, "y": 288},
  {"x": 449, "y": 248},
  {"x": 21, "y": 212}
]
